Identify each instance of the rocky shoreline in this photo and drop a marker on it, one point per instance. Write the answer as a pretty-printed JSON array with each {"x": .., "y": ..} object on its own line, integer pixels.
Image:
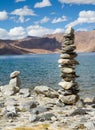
[{"x": 42, "y": 109}]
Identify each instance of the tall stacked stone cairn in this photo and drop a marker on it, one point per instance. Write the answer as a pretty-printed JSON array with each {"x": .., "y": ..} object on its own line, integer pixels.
[{"x": 67, "y": 63}]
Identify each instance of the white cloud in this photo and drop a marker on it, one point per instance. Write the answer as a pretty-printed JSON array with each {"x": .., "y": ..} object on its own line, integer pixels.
[
  {"x": 36, "y": 30},
  {"x": 28, "y": 19},
  {"x": 3, "y": 15},
  {"x": 33, "y": 30},
  {"x": 42, "y": 4},
  {"x": 77, "y": 1},
  {"x": 19, "y": 1},
  {"x": 13, "y": 34},
  {"x": 84, "y": 17},
  {"x": 82, "y": 29},
  {"x": 17, "y": 33},
  {"x": 3, "y": 34},
  {"x": 58, "y": 20},
  {"x": 58, "y": 30},
  {"x": 21, "y": 12},
  {"x": 43, "y": 20}
]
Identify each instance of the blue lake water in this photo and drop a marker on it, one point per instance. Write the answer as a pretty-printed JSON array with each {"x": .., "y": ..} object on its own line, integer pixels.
[{"x": 43, "y": 70}]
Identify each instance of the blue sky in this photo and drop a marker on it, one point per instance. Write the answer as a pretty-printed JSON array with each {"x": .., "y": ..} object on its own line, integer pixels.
[{"x": 21, "y": 18}]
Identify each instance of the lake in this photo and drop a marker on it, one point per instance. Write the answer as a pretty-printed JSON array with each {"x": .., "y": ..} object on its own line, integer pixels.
[{"x": 43, "y": 70}]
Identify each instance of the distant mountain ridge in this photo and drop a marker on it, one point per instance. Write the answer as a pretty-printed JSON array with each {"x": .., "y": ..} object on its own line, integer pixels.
[{"x": 84, "y": 41}]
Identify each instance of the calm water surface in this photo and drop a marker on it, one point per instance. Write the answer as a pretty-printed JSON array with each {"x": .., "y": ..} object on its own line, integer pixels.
[{"x": 43, "y": 70}]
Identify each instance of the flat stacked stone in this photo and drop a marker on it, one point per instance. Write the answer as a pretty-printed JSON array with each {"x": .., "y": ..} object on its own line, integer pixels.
[{"x": 67, "y": 64}]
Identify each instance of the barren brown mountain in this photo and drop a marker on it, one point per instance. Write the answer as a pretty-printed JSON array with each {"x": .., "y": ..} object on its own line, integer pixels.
[{"x": 84, "y": 41}]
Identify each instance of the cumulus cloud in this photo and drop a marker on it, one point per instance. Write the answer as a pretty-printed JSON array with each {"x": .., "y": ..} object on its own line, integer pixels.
[
  {"x": 77, "y": 1},
  {"x": 84, "y": 17},
  {"x": 19, "y": 1},
  {"x": 3, "y": 15},
  {"x": 42, "y": 4},
  {"x": 33, "y": 30},
  {"x": 3, "y": 34},
  {"x": 58, "y": 20},
  {"x": 13, "y": 34},
  {"x": 36, "y": 30},
  {"x": 17, "y": 33},
  {"x": 58, "y": 30},
  {"x": 22, "y": 12},
  {"x": 82, "y": 29},
  {"x": 43, "y": 20}
]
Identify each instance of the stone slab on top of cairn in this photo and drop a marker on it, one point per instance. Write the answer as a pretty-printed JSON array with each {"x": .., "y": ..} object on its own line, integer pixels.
[{"x": 67, "y": 64}]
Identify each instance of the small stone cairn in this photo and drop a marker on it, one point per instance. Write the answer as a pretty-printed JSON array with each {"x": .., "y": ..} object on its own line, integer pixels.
[
  {"x": 14, "y": 84},
  {"x": 67, "y": 63},
  {"x": 14, "y": 79}
]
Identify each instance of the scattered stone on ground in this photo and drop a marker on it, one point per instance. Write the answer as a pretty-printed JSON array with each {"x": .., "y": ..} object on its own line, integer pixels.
[{"x": 35, "y": 110}]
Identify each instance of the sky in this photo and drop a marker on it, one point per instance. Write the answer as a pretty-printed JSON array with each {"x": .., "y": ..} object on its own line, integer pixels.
[{"x": 22, "y": 18}]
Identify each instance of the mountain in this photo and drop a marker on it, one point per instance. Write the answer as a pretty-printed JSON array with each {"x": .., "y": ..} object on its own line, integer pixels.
[{"x": 84, "y": 41}]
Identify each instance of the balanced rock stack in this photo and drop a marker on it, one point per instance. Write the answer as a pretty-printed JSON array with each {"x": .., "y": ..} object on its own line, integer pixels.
[
  {"x": 67, "y": 64},
  {"x": 14, "y": 79},
  {"x": 14, "y": 84}
]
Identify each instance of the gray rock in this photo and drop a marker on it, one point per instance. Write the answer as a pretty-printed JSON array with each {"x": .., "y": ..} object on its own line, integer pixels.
[
  {"x": 59, "y": 103},
  {"x": 69, "y": 79},
  {"x": 11, "y": 108},
  {"x": 40, "y": 109},
  {"x": 15, "y": 82},
  {"x": 69, "y": 75},
  {"x": 78, "y": 111},
  {"x": 61, "y": 91},
  {"x": 69, "y": 99},
  {"x": 66, "y": 85},
  {"x": 11, "y": 111},
  {"x": 90, "y": 125},
  {"x": 93, "y": 105},
  {"x": 64, "y": 61},
  {"x": 69, "y": 42},
  {"x": 27, "y": 105},
  {"x": 14, "y": 74},
  {"x": 93, "y": 100},
  {"x": 65, "y": 56},
  {"x": 11, "y": 102},
  {"x": 46, "y": 116},
  {"x": 32, "y": 118},
  {"x": 80, "y": 103},
  {"x": 46, "y": 91},
  {"x": 9, "y": 90},
  {"x": 69, "y": 48},
  {"x": 88, "y": 101},
  {"x": 69, "y": 30},
  {"x": 68, "y": 70},
  {"x": 74, "y": 62},
  {"x": 11, "y": 114},
  {"x": 25, "y": 92},
  {"x": 1, "y": 104}
]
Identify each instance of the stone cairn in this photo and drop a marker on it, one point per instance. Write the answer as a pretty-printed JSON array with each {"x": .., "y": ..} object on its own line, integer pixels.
[
  {"x": 67, "y": 64},
  {"x": 14, "y": 79}
]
